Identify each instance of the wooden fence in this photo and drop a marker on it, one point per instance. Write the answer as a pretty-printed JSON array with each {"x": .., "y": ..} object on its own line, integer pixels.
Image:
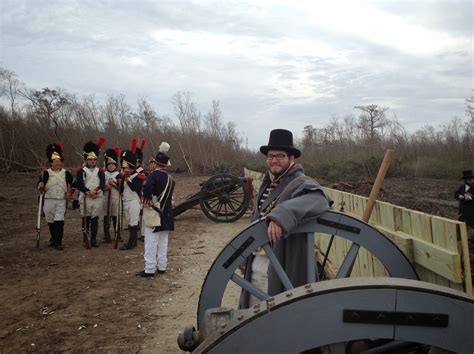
[{"x": 436, "y": 246}]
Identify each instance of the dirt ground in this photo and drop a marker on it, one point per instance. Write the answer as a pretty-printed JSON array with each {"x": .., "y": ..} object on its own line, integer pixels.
[{"x": 79, "y": 300}]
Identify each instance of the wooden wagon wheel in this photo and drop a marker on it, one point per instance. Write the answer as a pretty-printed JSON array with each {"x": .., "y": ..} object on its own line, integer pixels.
[{"x": 224, "y": 198}]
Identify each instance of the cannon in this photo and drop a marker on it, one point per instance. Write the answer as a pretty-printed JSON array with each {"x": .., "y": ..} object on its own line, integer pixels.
[
  {"x": 222, "y": 198},
  {"x": 393, "y": 314}
]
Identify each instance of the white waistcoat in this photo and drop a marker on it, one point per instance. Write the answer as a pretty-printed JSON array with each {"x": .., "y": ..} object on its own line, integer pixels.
[
  {"x": 56, "y": 186},
  {"x": 112, "y": 175},
  {"x": 128, "y": 193},
  {"x": 92, "y": 180}
]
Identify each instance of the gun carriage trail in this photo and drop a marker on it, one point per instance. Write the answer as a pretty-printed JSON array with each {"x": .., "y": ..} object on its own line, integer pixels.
[{"x": 90, "y": 299}]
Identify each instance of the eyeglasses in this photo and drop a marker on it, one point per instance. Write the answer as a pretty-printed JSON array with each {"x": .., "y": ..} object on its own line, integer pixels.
[{"x": 279, "y": 157}]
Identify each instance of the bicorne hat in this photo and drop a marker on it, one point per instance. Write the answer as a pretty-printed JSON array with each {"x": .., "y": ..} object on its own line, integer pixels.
[
  {"x": 280, "y": 139},
  {"x": 54, "y": 152},
  {"x": 467, "y": 174},
  {"x": 161, "y": 157}
]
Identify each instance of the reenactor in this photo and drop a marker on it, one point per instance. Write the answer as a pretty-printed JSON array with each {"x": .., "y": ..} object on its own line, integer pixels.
[
  {"x": 57, "y": 185},
  {"x": 110, "y": 202},
  {"x": 131, "y": 183},
  {"x": 90, "y": 181}
]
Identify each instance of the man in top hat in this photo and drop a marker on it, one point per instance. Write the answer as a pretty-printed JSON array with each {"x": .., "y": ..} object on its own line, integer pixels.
[
  {"x": 90, "y": 181},
  {"x": 465, "y": 195},
  {"x": 284, "y": 206},
  {"x": 131, "y": 183},
  {"x": 56, "y": 183},
  {"x": 110, "y": 202},
  {"x": 158, "y": 189}
]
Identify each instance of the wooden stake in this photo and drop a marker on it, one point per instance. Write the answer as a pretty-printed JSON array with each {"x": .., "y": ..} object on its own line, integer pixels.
[{"x": 374, "y": 193}]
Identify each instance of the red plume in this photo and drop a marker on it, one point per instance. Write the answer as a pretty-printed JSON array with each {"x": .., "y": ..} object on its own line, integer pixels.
[
  {"x": 117, "y": 150},
  {"x": 61, "y": 146},
  {"x": 134, "y": 145},
  {"x": 100, "y": 142},
  {"x": 142, "y": 144}
]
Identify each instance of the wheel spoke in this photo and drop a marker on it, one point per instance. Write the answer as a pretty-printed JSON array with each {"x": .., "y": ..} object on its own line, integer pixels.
[
  {"x": 348, "y": 262},
  {"x": 278, "y": 268},
  {"x": 311, "y": 263}
]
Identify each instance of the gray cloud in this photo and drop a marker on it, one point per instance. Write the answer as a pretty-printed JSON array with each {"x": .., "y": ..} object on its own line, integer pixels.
[{"x": 268, "y": 65}]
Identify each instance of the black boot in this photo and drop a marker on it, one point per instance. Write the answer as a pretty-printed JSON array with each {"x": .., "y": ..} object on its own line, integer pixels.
[
  {"x": 132, "y": 238},
  {"x": 58, "y": 233},
  {"x": 94, "y": 229},
  {"x": 51, "y": 232},
  {"x": 106, "y": 230}
]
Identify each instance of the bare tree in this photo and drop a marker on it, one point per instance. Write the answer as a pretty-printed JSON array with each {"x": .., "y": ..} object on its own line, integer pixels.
[
  {"x": 10, "y": 87},
  {"x": 470, "y": 107},
  {"x": 372, "y": 119},
  {"x": 45, "y": 104}
]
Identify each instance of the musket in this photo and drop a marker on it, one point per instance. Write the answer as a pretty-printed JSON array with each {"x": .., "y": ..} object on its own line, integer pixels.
[
  {"x": 85, "y": 226},
  {"x": 118, "y": 225},
  {"x": 38, "y": 220},
  {"x": 109, "y": 218}
]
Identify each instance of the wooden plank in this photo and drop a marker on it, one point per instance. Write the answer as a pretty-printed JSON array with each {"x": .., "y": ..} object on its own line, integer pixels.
[
  {"x": 403, "y": 241},
  {"x": 406, "y": 221},
  {"x": 386, "y": 216},
  {"x": 442, "y": 261},
  {"x": 421, "y": 225},
  {"x": 461, "y": 228}
]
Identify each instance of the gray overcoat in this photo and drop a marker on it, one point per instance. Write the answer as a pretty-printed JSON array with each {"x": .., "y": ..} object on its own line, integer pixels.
[{"x": 303, "y": 199}]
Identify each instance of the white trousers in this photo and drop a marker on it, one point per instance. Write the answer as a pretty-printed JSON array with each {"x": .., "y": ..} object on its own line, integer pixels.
[
  {"x": 131, "y": 209},
  {"x": 54, "y": 209},
  {"x": 93, "y": 206},
  {"x": 156, "y": 250},
  {"x": 259, "y": 275}
]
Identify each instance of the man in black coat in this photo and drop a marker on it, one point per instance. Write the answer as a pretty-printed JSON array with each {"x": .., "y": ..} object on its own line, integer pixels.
[
  {"x": 465, "y": 195},
  {"x": 286, "y": 197},
  {"x": 157, "y": 194}
]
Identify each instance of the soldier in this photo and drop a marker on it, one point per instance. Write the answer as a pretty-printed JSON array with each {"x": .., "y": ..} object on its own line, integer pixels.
[
  {"x": 56, "y": 183},
  {"x": 90, "y": 182},
  {"x": 110, "y": 202},
  {"x": 131, "y": 183},
  {"x": 158, "y": 193}
]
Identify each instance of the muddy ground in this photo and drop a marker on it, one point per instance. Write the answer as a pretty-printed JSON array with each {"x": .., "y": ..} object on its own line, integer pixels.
[{"x": 79, "y": 300}]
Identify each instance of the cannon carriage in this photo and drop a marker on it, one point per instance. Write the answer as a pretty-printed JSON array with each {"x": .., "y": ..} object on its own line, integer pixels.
[
  {"x": 222, "y": 198},
  {"x": 393, "y": 314}
]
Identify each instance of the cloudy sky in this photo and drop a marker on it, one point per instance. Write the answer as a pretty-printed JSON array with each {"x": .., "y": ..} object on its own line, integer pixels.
[{"x": 270, "y": 64}]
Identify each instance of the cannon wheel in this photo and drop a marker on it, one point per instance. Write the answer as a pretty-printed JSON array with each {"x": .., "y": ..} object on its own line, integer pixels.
[
  {"x": 330, "y": 223},
  {"x": 398, "y": 315},
  {"x": 224, "y": 198}
]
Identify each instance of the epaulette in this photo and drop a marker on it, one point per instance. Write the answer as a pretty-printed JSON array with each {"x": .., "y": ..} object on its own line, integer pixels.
[
  {"x": 101, "y": 169},
  {"x": 79, "y": 169},
  {"x": 141, "y": 176}
]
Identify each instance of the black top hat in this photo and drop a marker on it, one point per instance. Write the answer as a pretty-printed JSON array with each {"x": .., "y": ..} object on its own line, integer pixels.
[
  {"x": 129, "y": 159},
  {"x": 467, "y": 174},
  {"x": 280, "y": 139},
  {"x": 54, "y": 151}
]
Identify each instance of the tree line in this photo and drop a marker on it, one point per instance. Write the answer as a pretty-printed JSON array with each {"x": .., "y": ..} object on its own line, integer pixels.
[
  {"x": 200, "y": 143},
  {"x": 351, "y": 146}
]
